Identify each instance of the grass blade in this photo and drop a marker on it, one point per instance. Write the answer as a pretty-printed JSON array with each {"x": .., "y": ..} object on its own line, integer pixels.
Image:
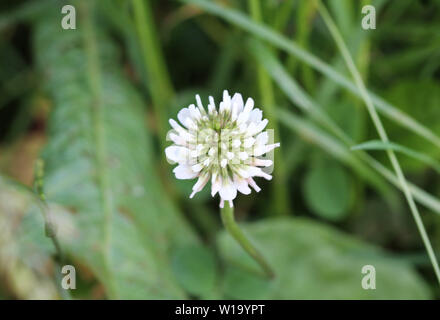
[{"x": 380, "y": 145}]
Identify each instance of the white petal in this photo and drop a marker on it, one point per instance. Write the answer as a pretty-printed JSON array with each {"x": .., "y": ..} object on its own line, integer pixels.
[
  {"x": 221, "y": 108},
  {"x": 216, "y": 182},
  {"x": 243, "y": 117},
  {"x": 236, "y": 106},
  {"x": 255, "y": 128},
  {"x": 200, "y": 104},
  {"x": 177, "y": 154},
  {"x": 270, "y": 147},
  {"x": 175, "y": 125},
  {"x": 228, "y": 191},
  {"x": 234, "y": 113},
  {"x": 262, "y": 138},
  {"x": 261, "y": 125},
  {"x": 211, "y": 105},
  {"x": 241, "y": 185},
  {"x": 251, "y": 128},
  {"x": 226, "y": 100},
  {"x": 249, "y": 105},
  {"x": 238, "y": 99},
  {"x": 203, "y": 180},
  {"x": 243, "y": 173},
  {"x": 197, "y": 167},
  {"x": 236, "y": 143},
  {"x": 257, "y": 172},
  {"x": 258, "y": 151},
  {"x": 195, "y": 113},
  {"x": 184, "y": 172},
  {"x": 184, "y": 133},
  {"x": 242, "y": 128},
  {"x": 261, "y": 162},
  {"x": 253, "y": 184},
  {"x": 178, "y": 139},
  {"x": 256, "y": 115},
  {"x": 191, "y": 124},
  {"x": 248, "y": 142},
  {"x": 183, "y": 115}
]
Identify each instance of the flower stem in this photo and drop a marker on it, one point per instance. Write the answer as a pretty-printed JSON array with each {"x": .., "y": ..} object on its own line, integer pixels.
[
  {"x": 227, "y": 214},
  {"x": 59, "y": 259}
]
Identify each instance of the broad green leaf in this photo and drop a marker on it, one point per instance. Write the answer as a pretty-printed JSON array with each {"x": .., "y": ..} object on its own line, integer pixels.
[
  {"x": 328, "y": 190},
  {"x": 26, "y": 268},
  {"x": 314, "y": 261},
  {"x": 380, "y": 145},
  {"x": 195, "y": 269},
  {"x": 99, "y": 163}
]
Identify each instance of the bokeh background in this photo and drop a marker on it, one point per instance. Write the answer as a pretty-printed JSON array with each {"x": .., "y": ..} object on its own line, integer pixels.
[{"x": 92, "y": 105}]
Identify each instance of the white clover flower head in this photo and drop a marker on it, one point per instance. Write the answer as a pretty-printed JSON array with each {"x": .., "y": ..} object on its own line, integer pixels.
[{"x": 225, "y": 145}]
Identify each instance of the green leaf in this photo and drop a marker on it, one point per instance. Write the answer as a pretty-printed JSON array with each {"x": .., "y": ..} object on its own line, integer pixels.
[
  {"x": 241, "y": 284},
  {"x": 26, "y": 267},
  {"x": 380, "y": 145},
  {"x": 328, "y": 190},
  {"x": 100, "y": 167},
  {"x": 195, "y": 269},
  {"x": 314, "y": 261}
]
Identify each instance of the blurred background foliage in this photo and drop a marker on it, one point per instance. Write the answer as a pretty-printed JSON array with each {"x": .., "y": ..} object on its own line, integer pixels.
[{"x": 93, "y": 103}]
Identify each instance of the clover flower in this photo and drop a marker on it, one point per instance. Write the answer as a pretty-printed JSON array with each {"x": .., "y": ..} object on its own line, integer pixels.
[{"x": 225, "y": 145}]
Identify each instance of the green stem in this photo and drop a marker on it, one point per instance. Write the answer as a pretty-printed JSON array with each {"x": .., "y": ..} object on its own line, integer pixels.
[
  {"x": 50, "y": 230},
  {"x": 304, "y": 23},
  {"x": 227, "y": 214},
  {"x": 280, "y": 195},
  {"x": 160, "y": 86}
]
